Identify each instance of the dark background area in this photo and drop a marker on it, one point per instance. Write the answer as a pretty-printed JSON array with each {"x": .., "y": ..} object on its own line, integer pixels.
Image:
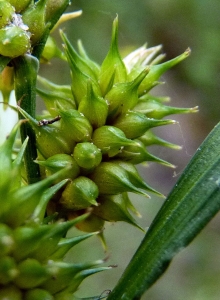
[{"x": 195, "y": 272}]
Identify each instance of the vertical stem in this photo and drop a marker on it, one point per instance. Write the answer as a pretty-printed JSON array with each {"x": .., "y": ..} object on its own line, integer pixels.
[{"x": 26, "y": 68}]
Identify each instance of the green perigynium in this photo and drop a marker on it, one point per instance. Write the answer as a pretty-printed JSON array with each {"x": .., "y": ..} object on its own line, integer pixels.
[
  {"x": 88, "y": 142},
  {"x": 102, "y": 123},
  {"x": 6, "y": 11},
  {"x": 32, "y": 249},
  {"x": 26, "y": 24},
  {"x": 14, "y": 41},
  {"x": 32, "y": 246}
]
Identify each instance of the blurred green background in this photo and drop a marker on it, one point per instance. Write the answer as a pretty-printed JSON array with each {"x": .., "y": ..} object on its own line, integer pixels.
[{"x": 195, "y": 272}]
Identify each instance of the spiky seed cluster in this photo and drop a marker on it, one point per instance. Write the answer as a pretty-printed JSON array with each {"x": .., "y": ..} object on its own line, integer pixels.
[
  {"x": 100, "y": 127},
  {"x": 95, "y": 132},
  {"x": 32, "y": 247}
]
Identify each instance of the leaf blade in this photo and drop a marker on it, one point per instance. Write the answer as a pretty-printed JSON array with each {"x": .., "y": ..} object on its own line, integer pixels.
[{"x": 192, "y": 203}]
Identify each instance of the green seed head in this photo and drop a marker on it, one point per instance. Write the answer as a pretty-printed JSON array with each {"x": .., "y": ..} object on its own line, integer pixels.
[
  {"x": 137, "y": 154},
  {"x": 19, "y": 5},
  {"x": 87, "y": 155},
  {"x": 153, "y": 108},
  {"x": 34, "y": 18},
  {"x": 91, "y": 224},
  {"x": 79, "y": 194},
  {"x": 113, "y": 209},
  {"x": 14, "y": 41},
  {"x": 8, "y": 269},
  {"x": 56, "y": 96},
  {"x": 37, "y": 294},
  {"x": 58, "y": 162},
  {"x": 75, "y": 126},
  {"x": 149, "y": 138},
  {"x": 94, "y": 107},
  {"x": 157, "y": 70},
  {"x": 112, "y": 69},
  {"x": 31, "y": 274},
  {"x": 88, "y": 143},
  {"x": 6, "y": 13},
  {"x": 28, "y": 240},
  {"x": 135, "y": 178},
  {"x": 6, "y": 240},
  {"x": 105, "y": 117},
  {"x": 135, "y": 124},
  {"x": 77, "y": 61},
  {"x": 110, "y": 140},
  {"x": 50, "y": 140},
  {"x": 123, "y": 96},
  {"x": 11, "y": 292},
  {"x": 113, "y": 179}
]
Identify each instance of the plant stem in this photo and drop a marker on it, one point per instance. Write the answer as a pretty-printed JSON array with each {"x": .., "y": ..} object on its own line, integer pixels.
[{"x": 26, "y": 68}]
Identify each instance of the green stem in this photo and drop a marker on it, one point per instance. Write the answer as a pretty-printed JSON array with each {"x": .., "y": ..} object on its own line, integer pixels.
[{"x": 26, "y": 68}]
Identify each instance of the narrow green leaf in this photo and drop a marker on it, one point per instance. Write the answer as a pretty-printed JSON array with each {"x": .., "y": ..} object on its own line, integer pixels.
[{"x": 193, "y": 202}]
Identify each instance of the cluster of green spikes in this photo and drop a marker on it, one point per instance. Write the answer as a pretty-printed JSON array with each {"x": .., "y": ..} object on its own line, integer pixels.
[
  {"x": 99, "y": 127},
  {"x": 32, "y": 246},
  {"x": 89, "y": 141}
]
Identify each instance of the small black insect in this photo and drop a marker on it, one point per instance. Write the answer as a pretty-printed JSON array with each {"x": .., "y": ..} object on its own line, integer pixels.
[{"x": 44, "y": 122}]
